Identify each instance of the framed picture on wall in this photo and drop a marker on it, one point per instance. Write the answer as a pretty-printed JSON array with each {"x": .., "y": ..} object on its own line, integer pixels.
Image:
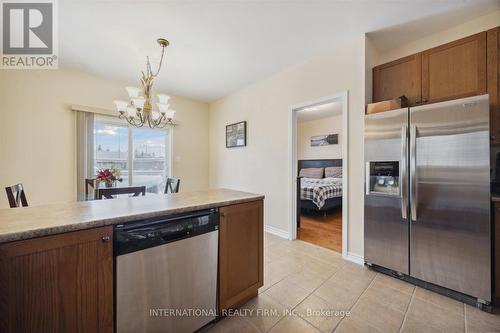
[
  {"x": 236, "y": 135},
  {"x": 324, "y": 140}
]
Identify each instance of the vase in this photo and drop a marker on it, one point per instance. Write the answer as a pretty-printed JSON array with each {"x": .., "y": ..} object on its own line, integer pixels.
[{"x": 109, "y": 184}]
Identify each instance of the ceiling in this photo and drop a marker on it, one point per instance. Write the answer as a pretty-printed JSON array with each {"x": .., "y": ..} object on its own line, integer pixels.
[
  {"x": 319, "y": 112},
  {"x": 218, "y": 47}
]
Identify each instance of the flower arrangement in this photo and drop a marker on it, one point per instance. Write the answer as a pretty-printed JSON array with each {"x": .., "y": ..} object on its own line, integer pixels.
[{"x": 109, "y": 176}]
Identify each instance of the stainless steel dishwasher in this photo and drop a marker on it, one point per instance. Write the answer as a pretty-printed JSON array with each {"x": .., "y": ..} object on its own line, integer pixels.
[{"x": 166, "y": 273}]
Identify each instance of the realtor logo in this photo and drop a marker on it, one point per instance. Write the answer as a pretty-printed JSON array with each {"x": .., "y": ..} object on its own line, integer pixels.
[{"x": 28, "y": 34}]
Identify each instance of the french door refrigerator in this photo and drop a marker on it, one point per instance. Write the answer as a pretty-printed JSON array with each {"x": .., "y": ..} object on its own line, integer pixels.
[{"x": 427, "y": 196}]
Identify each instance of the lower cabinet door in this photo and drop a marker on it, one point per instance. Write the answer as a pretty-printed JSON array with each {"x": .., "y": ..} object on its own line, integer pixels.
[
  {"x": 60, "y": 283},
  {"x": 241, "y": 249}
]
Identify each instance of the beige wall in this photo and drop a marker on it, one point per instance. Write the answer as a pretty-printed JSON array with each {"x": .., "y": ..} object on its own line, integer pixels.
[
  {"x": 264, "y": 165},
  {"x": 307, "y": 129},
  {"x": 37, "y": 131}
]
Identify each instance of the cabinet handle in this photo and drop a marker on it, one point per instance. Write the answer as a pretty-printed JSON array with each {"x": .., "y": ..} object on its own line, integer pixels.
[
  {"x": 105, "y": 239},
  {"x": 492, "y": 137},
  {"x": 418, "y": 102},
  {"x": 222, "y": 215},
  {"x": 424, "y": 100}
]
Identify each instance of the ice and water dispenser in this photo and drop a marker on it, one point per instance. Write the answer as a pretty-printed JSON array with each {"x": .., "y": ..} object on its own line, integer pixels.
[{"x": 382, "y": 178}]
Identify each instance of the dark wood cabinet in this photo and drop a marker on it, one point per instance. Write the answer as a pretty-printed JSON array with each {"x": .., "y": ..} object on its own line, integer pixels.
[
  {"x": 454, "y": 70},
  {"x": 493, "y": 73},
  {"x": 241, "y": 249},
  {"x": 397, "y": 78},
  {"x": 60, "y": 283},
  {"x": 450, "y": 71}
]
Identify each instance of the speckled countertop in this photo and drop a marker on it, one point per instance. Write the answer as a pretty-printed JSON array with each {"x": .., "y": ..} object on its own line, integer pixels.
[{"x": 36, "y": 221}]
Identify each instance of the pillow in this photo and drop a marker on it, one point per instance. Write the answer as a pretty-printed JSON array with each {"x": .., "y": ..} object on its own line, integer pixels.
[
  {"x": 335, "y": 172},
  {"x": 311, "y": 173}
]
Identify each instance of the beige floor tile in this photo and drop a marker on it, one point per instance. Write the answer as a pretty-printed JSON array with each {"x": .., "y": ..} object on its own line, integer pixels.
[
  {"x": 319, "y": 313},
  {"x": 394, "y": 283},
  {"x": 351, "y": 279},
  {"x": 353, "y": 325},
  {"x": 287, "y": 293},
  {"x": 319, "y": 267},
  {"x": 233, "y": 325},
  {"x": 265, "y": 312},
  {"x": 306, "y": 280},
  {"x": 447, "y": 303},
  {"x": 377, "y": 314},
  {"x": 294, "y": 269},
  {"x": 480, "y": 321},
  {"x": 277, "y": 271},
  {"x": 425, "y": 316},
  {"x": 293, "y": 324},
  {"x": 338, "y": 295},
  {"x": 389, "y": 297},
  {"x": 270, "y": 239}
]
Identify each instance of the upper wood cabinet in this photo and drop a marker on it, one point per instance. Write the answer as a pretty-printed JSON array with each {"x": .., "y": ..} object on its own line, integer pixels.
[
  {"x": 493, "y": 69},
  {"x": 450, "y": 71},
  {"x": 454, "y": 70},
  {"x": 60, "y": 283},
  {"x": 397, "y": 78},
  {"x": 241, "y": 248}
]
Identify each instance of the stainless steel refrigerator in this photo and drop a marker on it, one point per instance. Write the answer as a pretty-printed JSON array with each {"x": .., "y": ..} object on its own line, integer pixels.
[{"x": 427, "y": 194}]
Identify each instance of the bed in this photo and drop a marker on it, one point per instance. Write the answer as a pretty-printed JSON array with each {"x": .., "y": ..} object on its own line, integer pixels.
[{"x": 318, "y": 194}]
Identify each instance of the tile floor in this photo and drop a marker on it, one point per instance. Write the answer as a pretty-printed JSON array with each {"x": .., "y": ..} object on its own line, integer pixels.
[{"x": 311, "y": 289}]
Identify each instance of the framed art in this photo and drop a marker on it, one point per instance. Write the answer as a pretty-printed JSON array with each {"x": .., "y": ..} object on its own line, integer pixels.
[
  {"x": 236, "y": 135},
  {"x": 324, "y": 140}
]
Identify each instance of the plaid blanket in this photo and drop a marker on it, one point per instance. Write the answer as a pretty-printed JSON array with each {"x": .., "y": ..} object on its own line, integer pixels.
[{"x": 318, "y": 190}]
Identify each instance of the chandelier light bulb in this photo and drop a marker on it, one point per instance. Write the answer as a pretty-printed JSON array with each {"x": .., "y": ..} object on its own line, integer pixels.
[
  {"x": 138, "y": 103},
  {"x": 163, "y": 99},
  {"x": 131, "y": 111},
  {"x": 170, "y": 114},
  {"x": 133, "y": 92},
  {"x": 121, "y": 106},
  {"x": 163, "y": 107}
]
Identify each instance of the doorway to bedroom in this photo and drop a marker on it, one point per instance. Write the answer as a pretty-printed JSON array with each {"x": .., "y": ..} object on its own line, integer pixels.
[{"x": 319, "y": 164}]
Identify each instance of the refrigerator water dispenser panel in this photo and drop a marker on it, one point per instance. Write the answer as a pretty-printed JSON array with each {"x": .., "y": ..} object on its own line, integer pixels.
[{"x": 383, "y": 178}]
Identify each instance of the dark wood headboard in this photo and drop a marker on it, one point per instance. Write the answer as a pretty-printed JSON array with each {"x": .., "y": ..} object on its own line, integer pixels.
[{"x": 318, "y": 164}]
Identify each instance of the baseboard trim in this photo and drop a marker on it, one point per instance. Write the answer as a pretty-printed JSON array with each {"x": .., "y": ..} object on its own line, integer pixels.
[
  {"x": 355, "y": 258},
  {"x": 277, "y": 232}
]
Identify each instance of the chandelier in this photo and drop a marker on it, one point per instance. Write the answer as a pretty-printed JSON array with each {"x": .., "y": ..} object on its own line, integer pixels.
[{"x": 139, "y": 110}]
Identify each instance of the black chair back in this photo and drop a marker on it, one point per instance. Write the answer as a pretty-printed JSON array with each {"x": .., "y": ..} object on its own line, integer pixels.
[
  {"x": 173, "y": 185},
  {"x": 16, "y": 196},
  {"x": 109, "y": 193}
]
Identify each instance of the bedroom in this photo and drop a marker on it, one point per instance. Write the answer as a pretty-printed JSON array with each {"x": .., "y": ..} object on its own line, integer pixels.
[{"x": 319, "y": 174}]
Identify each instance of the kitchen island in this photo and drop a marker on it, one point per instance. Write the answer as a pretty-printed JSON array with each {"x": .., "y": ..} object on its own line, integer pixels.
[{"x": 56, "y": 261}]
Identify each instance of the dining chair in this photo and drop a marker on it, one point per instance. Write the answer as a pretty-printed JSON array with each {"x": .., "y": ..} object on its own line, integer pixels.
[
  {"x": 173, "y": 185},
  {"x": 16, "y": 196},
  {"x": 109, "y": 193}
]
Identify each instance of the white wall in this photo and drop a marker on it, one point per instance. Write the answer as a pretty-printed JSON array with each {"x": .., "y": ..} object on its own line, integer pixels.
[
  {"x": 263, "y": 166},
  {"x": 37, "y": 131},
  {"x": 323, "y": 126}
]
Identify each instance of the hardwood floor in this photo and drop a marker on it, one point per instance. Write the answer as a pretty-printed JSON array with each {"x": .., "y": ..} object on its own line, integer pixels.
[{"x": 325, "y": 231}]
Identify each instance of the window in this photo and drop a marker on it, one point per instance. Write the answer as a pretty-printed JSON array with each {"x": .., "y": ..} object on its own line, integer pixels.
[{"x": 142, "y": 154}]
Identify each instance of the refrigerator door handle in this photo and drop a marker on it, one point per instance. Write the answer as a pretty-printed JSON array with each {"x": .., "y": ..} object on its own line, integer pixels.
[
  {"x": 413, "y": 172},
  {"x": 403, "y": 177}
]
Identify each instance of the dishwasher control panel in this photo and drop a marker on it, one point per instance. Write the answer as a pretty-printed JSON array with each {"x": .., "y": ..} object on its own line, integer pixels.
[{"x": 137, "y": 235}]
